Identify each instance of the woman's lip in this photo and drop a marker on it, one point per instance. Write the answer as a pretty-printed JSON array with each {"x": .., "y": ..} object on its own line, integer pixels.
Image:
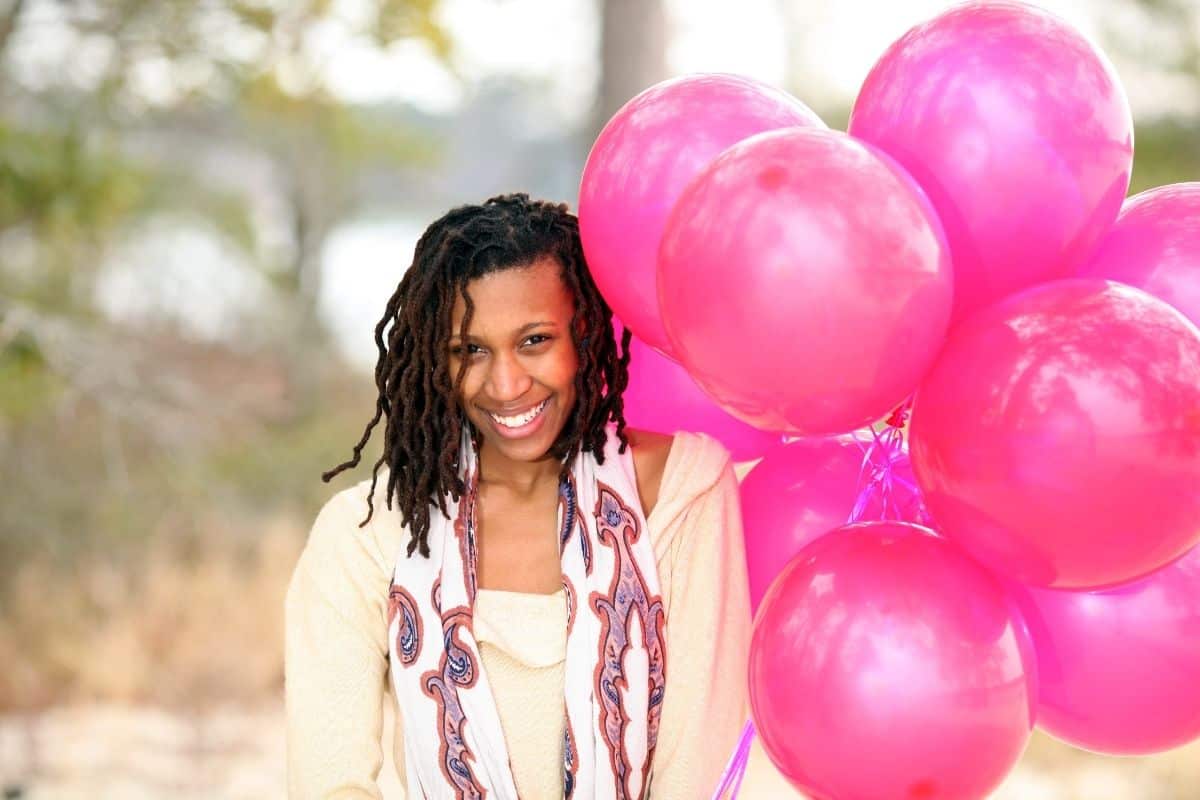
[
  {"x": 525, "y": 430},
  {"x": 524, "y": 410}
]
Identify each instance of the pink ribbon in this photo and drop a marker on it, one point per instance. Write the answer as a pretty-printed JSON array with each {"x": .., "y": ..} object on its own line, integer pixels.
[
  {"x": 735, "y": 770},
  {"x": 884, "y": 455}
]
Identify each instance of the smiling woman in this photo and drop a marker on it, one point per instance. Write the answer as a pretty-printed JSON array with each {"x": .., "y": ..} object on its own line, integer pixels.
[
  {"x": 573, "y": 589},
  {"x": 520, "y": 362}
]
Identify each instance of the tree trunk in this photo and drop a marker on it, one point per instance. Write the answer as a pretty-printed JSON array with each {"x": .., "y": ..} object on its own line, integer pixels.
[{"x": 633, "y": 44}]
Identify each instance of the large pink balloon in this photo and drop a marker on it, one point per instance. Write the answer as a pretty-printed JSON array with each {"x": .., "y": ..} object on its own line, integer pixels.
[
  {"x": 1058, "y": 436},
  {"x": 799, "y": 491},
  {"x": 661, "y": 396},
  {"x": 1019, "y": 130},
  {"x": 804, "y": 282},
  {"x": 1119, "y": 669},
  {"x": 640, "y": 163},
  {"x": 886, "y": 664},
  {"x": 1155, "y": 245}
]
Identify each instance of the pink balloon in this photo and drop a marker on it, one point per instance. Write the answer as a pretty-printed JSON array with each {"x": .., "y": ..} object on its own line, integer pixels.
[
  {"x": 1058, "y": 436},
  {"x": 1017, "y": 127},
  {"x": 1119, "y": 669},
  {"x": 661, "y": 396},
  {"x": 1155, "y": 245},
  {"x": 640, "y": 163},
  {"x": 886, "y": 664},
  {"x": 798, "y": 492},
  {"x": 804, "y": 282}
]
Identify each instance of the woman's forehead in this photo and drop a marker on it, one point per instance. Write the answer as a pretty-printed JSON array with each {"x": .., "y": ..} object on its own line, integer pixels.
[{"x": 509, "y": 299}]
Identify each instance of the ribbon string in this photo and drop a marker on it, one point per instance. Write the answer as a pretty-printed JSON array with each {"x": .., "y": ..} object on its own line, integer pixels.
[
  {"x": 882, "y": 477},
  {"x": 735, "y": 769}
]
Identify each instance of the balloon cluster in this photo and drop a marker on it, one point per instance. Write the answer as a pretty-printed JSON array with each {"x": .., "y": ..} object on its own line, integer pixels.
[{"x": 1030, "y": 554}]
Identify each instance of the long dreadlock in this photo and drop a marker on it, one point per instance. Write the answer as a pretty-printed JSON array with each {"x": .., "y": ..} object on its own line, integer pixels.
[{"x": 423, "y": 428}]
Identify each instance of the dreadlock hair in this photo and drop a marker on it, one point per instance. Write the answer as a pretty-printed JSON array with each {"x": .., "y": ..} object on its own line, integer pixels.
[{"x": 416, "y": 394}]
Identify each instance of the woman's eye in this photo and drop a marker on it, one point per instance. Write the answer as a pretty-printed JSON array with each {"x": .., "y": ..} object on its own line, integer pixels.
[{"x": 471, "y": 350}]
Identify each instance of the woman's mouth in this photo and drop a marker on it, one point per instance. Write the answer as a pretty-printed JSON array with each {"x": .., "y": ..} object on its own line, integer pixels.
[{"x": 520, "y": 424}]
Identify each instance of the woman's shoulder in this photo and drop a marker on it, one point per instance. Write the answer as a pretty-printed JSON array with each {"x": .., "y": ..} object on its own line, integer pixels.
[
  {"x": 650, "y": 453},
  {"x": 695, "y": 457},
  {"x": 698, "y": 489},
  {"x": 676, "y": 468},
  {"x": 342, "y": 530}
]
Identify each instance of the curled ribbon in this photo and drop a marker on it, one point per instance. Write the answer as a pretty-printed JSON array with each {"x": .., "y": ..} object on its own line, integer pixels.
[{"x": 882, "y": 476}]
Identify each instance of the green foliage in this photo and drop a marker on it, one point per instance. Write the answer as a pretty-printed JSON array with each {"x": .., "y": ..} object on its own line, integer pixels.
[
  {"x": 66, "y": 170},
  {"x": 1166, "y": 151},
  {"x": 56, "y": 182},
  {"x": 27, "y": 387},
  {"x": 281, "y": 463},
  {"x": 319, "y": 125},
  {"x": 98, "y": 460},
  {"x": 75, "y": 194}
]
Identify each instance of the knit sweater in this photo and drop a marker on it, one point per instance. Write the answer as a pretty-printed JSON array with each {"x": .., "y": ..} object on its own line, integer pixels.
[{"x": 336, "y": 665}]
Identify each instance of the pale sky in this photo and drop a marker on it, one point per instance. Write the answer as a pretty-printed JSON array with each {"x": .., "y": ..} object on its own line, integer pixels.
[
  {"x": 820, "y": 50},
  {"x": 839, "y": 42}
]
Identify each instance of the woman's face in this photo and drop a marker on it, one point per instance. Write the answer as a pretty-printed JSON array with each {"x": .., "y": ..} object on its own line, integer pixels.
[{"x": 519, "y": 388}]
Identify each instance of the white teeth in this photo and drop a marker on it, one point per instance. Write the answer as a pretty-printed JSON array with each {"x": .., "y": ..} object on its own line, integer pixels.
[{"x": 520, "y": 419}]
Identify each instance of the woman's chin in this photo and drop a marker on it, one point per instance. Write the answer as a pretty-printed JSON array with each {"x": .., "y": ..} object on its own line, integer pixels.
[{"x": 532, "y": 448}]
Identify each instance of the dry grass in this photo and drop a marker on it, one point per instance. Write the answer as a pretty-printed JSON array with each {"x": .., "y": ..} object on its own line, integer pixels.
[
  {"x": 166, "y": 677},
  {"x": 177, "y": 630},
  {"x": 1051, "y": 770}
]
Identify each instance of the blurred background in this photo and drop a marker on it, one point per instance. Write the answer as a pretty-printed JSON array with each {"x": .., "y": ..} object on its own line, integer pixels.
[{"x": 204, "y": 205}]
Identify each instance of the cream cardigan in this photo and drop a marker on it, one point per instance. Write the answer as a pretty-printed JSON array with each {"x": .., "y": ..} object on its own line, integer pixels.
[{"x": 336, "y": 650}]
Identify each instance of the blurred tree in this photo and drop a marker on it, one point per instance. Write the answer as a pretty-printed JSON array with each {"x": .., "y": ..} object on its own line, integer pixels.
[
  {"x": 247, "y": 75},
  {"x": 1155, "y": 43},
  {"x": 1167, "y": 146},
  {"x": 216, "y": 117},
  {"x": 633, "y": 53}
]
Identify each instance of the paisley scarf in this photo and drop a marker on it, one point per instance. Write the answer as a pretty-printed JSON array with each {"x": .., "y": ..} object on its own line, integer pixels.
[{"x": 615, "y": 670}]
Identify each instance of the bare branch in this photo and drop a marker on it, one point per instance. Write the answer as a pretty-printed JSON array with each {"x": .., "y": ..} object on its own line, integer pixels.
[{"x": 8, "y": 22}]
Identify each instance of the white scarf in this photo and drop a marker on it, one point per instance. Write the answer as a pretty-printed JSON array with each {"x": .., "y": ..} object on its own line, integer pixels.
[{"x": 615, "y": 671}]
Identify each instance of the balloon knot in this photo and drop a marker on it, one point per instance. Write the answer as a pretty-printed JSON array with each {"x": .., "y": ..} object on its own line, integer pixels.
[{"x": 900, "y": 415}]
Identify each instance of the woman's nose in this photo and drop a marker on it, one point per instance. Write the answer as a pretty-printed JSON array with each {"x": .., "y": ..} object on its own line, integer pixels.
[{"x": 507, "y": 379}]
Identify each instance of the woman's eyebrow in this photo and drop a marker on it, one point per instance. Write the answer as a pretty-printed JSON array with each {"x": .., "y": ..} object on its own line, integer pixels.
[
  {"x": 526, "y": 327},
  {"x": 533, "y": 325}
]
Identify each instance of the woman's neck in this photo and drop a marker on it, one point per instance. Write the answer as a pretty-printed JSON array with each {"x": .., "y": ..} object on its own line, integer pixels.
[{"x": 525, "y": 478}]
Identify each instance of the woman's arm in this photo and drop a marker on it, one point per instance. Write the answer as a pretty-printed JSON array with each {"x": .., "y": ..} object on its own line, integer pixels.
[
  {"x": 335, "y": 661},
  {"x": 708, "y": 637}
]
